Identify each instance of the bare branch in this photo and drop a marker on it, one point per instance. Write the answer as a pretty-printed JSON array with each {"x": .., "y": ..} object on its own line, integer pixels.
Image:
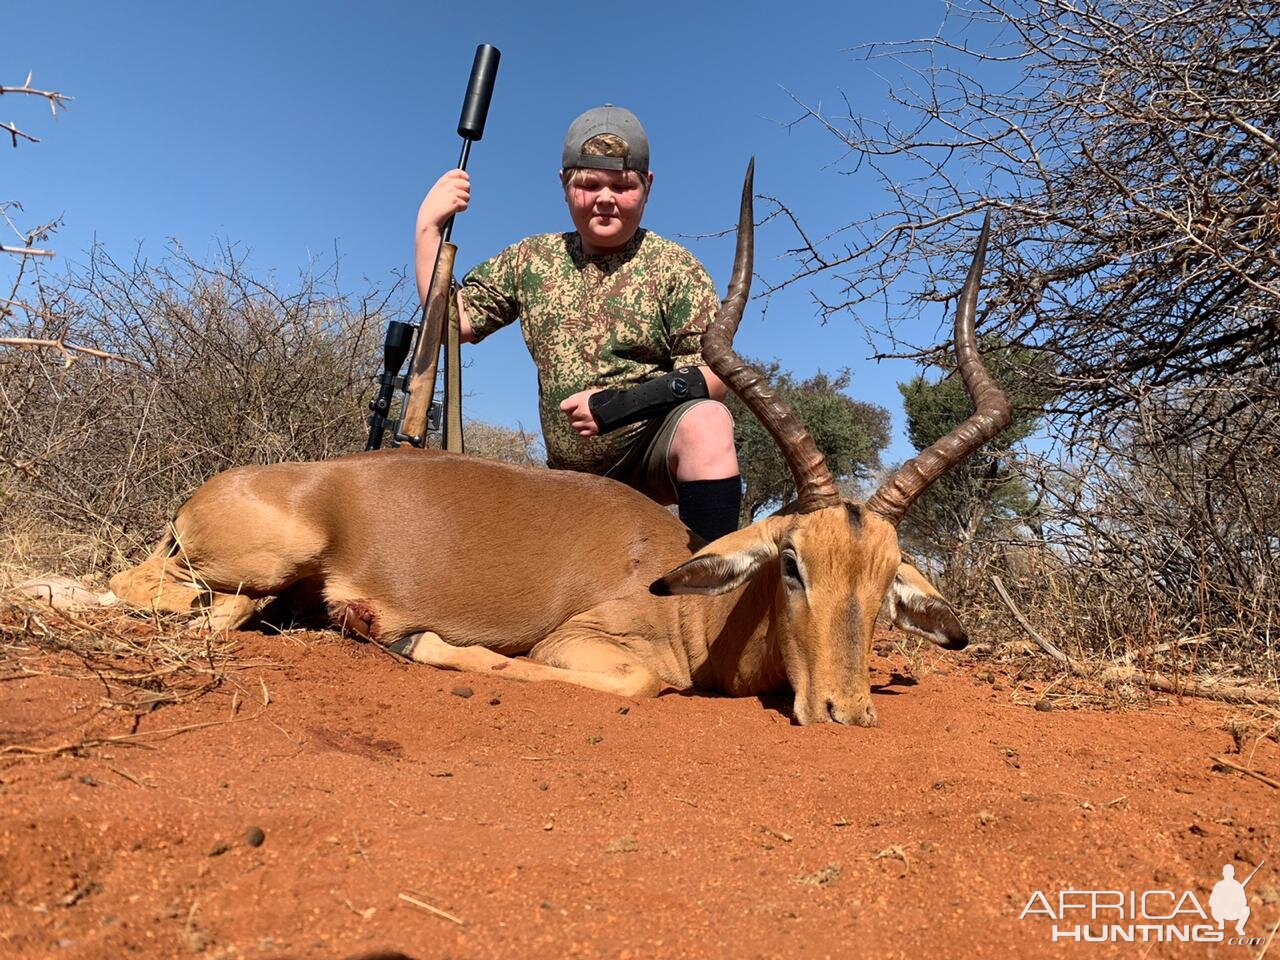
[
  {"x": 26, "y": 251},
  {"x": 1129, "y": 152},
  {"x": 15, "y": 133},
  {"x": 66, "y": 348},
  {"x": 1130, "y": 156},
  {"x": 55, "y": 99}
]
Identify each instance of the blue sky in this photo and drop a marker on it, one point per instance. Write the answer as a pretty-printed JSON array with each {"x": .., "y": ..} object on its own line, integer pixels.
[{"x": 296, "y": 128}]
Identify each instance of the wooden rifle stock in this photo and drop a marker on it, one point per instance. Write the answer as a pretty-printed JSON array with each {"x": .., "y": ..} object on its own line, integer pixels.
[
  {"x": 426, "y": 361},
  {"x": 439, "y": 321},
  {"x": 453, "y": 384}
]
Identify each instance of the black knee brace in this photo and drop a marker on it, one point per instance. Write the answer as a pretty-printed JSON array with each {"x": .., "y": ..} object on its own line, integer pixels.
[{"x": 618, "y": 408}]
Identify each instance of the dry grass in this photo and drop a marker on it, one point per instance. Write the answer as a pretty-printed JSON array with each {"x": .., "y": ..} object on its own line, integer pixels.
[
  {"x": 222, "y": 370},
  {"x": 226, "y": 370},
  {"x": 139, "y": 664},
  {"x": 204, "y": 367},
  {"x": 96, "y": 455}
]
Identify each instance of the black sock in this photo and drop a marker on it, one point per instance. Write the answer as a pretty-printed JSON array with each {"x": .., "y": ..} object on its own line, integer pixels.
[{"x": 710, "y": 507}]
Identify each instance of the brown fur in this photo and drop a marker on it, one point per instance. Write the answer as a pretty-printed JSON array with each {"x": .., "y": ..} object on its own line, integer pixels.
[{"x": 481, "y": 561}]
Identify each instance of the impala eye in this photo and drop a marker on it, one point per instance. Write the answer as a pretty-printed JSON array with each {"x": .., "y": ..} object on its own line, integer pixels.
[{"x": 791, "y": 569}]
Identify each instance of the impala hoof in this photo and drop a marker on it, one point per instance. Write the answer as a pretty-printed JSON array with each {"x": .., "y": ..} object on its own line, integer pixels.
[
  {"x": 857, "y": 716},
  {"x": 866, "y": 717}
]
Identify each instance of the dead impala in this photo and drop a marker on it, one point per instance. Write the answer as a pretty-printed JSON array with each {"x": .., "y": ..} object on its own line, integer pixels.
[{"x": 551, "y": 575}]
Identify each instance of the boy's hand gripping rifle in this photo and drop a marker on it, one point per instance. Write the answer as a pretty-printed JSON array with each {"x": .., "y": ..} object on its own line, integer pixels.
[{"x": 419, "y": 386}]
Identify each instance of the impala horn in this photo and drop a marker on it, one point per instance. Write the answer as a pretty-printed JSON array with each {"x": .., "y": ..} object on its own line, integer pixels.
[
  {"x": 990, "y": 416},
  {"x": 815, "y": 487}
]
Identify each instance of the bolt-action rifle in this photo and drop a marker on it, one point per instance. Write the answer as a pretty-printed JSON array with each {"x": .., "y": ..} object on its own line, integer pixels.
[{"x": 421, "y": 342}]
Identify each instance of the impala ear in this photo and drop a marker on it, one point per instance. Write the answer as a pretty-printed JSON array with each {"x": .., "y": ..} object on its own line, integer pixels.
[
  {"x": 725, "y": 564},
  {"x": 915, "y": 605}
]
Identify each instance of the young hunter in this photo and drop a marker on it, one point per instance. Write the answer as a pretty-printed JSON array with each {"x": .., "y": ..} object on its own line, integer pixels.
[{"x": 612, "y": 315}]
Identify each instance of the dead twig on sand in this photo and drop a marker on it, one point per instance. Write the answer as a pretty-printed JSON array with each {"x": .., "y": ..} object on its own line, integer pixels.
[
  {"x": 1045, "y": 645},
  {"x": 128, "y": 776},
  {"x": 1266, "y": 946},
  {"x": 1112, "y": 675},
  {"x": 1275, "y": 785},
  {"x": 122, "y": 739},
  {"x": 430, "y": 909},
  {"x": 140, "y": 670}
]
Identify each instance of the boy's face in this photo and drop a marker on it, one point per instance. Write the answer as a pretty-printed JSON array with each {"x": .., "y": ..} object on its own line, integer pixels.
[{"x": 605, "y": 205}]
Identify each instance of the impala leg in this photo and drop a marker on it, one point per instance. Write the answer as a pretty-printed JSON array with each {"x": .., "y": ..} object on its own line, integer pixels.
[
  {"x": 579, "y": 651},
  {"x": 621, "y": 674}
]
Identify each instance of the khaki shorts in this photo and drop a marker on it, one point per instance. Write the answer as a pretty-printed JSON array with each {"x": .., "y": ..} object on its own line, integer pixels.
[{"x": 645, "y": 465}]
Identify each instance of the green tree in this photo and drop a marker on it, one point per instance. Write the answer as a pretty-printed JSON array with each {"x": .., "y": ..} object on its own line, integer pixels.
[
  {"x": 848, "y": 432},
  {"x": 981, "y": 494}
]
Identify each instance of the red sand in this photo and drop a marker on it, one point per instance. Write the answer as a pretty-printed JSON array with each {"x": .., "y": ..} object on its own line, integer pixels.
[{"x": 557, "y": 822}]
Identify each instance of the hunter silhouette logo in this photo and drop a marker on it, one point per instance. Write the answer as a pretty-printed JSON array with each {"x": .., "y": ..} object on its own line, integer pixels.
[
  {"x": 1145, "y": 916},
  {"x": 1228, "y": 900}
]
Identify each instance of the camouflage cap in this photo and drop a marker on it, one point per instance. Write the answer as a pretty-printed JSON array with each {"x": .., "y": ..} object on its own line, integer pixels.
[{"x": 607, "y": 119}]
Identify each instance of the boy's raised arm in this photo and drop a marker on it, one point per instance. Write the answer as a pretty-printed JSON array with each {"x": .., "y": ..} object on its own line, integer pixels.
[{"x": 449, "y": 196}]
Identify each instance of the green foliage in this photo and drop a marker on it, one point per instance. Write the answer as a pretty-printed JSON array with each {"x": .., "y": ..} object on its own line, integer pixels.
[
  {"x": 981, "y": 493},
  {"x": 848, "y": 432}
]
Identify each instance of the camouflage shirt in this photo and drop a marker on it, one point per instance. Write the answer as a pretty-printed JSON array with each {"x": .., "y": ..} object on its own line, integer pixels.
[{"x": 615, "y": 320}]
